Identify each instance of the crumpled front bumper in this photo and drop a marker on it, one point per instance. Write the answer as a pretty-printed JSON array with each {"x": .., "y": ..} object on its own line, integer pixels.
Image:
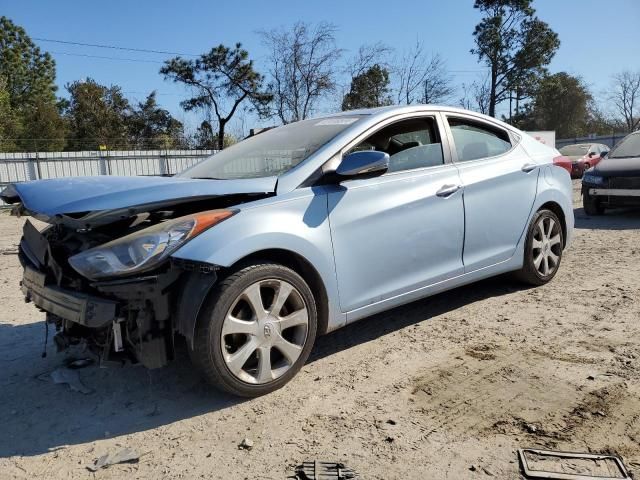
[{"x": 77, "y": 307}]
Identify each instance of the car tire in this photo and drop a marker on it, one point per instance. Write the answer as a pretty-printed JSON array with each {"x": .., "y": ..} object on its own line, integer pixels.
[
  {"x": 591, "y": 205},
  {"x": 543, "y": 247},
  {"x": 231, "y": 325}
]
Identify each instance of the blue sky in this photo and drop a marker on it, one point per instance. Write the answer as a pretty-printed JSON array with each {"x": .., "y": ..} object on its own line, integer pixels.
[{"x": 598, "y": 37}]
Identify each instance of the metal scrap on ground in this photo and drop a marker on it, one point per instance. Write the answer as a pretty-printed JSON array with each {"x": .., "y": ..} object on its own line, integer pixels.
[
  {"x": 550, "y": 465},
  {"x": 315, "y": 470}
]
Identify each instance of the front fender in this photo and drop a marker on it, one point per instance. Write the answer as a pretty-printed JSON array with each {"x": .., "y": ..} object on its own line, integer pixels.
[{"x": 296, "y": 222}]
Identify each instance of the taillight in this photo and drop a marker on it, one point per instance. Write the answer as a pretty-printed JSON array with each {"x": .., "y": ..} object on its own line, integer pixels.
[{"x": 563, "y": 162}]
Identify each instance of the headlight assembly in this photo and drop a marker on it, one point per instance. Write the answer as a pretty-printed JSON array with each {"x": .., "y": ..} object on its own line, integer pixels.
[
  {"x": 144, "y": 249},
  {"x": 593, "y": 179}
]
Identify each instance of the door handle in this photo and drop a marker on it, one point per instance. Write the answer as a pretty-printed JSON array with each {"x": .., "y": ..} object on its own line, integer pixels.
[
  {"x": 448, "y": 190},
  {"x": 529, "y": 167}
]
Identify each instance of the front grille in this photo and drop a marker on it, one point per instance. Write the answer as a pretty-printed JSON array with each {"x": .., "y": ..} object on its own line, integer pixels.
[{"x": 624, "y": 182}]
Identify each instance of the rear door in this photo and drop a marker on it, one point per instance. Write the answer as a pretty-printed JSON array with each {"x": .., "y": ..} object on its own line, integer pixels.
[
  {"x": 500, "y": 184},
  {"x": 404, "y": 230}
]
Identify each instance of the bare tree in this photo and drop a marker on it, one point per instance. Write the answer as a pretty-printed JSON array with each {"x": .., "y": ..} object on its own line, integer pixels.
[
  {"x": 303, "y": 64},
  {"x": 422, "y": 78},
  {"x": 626, "y": 98},
  {"x": 476, "y": 96},
  {"x": 366, "y": 57}
]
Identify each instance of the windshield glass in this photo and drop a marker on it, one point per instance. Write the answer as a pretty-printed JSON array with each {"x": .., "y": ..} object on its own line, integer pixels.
[
  {"x": 574, "y": 150},
  {"x": 628, "y": 147},
  {"x": 273, "y": 152}
]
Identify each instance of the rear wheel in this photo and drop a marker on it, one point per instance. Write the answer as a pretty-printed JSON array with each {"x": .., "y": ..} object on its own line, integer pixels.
[
  {"x": 592, "y": 205},
  {"x": 543, "y": 249},
  {"x": 256, "y": 330}
]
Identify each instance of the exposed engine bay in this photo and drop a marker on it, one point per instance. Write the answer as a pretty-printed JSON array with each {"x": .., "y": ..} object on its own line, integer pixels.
[{"x": 125, "y": 317}]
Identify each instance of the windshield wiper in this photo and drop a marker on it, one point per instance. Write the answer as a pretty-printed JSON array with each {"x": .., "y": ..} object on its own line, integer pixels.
[{"x": 208, "y": 178}]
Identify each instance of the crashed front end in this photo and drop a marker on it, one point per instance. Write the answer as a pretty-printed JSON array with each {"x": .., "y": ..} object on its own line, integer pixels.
[{"x": 109, "y": 281}]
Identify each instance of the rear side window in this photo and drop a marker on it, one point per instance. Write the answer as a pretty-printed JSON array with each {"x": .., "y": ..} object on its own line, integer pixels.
[{"x": 474, "y": 141}]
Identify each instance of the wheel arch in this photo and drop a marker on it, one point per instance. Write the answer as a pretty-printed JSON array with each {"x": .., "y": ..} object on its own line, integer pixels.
[
  {"x": 298, "y": 264},
  {"x": 559, "y": 212}
]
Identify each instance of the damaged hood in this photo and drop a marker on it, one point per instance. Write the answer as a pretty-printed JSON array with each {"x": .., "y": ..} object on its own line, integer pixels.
[
  {"x": 97, "y": 200},
  {"x": 618, "y": 167}
]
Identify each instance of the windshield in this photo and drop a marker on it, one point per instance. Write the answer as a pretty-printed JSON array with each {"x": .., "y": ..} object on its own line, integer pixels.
[
  {"x": 628, "y": 147},
  {"x": 574, "y": 150},
  {"x": 273, "y": 152}
]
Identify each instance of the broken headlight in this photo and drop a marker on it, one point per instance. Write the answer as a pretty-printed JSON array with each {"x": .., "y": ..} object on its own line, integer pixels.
[{"x": 144, "y": 249}]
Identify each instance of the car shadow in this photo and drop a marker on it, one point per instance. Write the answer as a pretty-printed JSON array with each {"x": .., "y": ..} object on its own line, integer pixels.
[
  {"x": 39, "y": 416},
  {"x": 398, "y": 318},
  {"x": 614, "y": 219}
]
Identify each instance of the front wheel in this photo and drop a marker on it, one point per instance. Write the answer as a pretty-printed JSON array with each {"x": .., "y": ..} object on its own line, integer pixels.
[
  {"x": 256, "y": 330},
  {"x": 543, "y": 249}
]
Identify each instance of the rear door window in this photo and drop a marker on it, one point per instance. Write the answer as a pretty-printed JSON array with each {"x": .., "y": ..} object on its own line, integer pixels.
[{"x": 475, "y": 140}]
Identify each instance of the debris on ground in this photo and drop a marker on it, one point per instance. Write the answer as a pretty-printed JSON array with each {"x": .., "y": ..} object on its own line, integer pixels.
[
  {"x": 70, "y": 377},
  {"x": 126, "y": 455},
  {"x": 315, "y": 470},
  {"x": 246, "y": 444},
  {"x": 552, "y": 465},
  {"x": 77, "y": 363}
]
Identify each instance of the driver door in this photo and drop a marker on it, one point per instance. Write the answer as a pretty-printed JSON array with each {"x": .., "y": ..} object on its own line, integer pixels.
[{"x": 403, "y": 231}]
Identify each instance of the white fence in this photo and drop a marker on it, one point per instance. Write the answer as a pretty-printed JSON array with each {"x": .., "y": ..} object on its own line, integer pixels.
[
  {"x": 609, "y": 140},
  {"x": 20, "y": 167}
]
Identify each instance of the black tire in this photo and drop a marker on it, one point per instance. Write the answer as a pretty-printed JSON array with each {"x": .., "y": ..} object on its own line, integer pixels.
[
  {"x": 591, "y": 205},
  {"x": 530, "y": 273},
  {"x": 207, "y": 353}
]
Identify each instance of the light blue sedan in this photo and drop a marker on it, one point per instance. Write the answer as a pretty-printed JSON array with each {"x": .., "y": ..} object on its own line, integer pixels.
[{"x": 290, "y": 234}]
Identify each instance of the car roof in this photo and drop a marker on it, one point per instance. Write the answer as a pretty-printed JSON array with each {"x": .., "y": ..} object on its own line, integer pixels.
[
  {"x": 393, "y": 110},
  {"x": 397, "y": 109}
]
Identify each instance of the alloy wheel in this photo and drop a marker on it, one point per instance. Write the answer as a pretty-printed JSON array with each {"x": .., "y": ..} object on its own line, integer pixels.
[
  {"x": 547, "y": 246},
  {"x": 264, "y": 331}
]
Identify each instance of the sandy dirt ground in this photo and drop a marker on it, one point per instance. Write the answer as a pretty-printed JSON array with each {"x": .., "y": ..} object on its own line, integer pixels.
[{"x": 445, "y": 388}]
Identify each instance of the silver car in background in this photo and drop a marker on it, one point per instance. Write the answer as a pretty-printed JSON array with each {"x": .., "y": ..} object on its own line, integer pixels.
[{"x": 290, "y": 234}]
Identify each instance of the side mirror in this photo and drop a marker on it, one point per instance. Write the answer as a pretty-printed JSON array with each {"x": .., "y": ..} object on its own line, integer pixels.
[
  {"x": 592, "y": 154},
  {"x": 364, "y": 164}
]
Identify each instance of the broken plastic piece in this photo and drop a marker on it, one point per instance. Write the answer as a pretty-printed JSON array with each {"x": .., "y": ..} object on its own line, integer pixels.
[
  {"x": 324, "y": 471},
  {"x": 117, "y": 336},
  {"x": 126, "y": 455},
  {"x": 570, "y": 465},
  {"x": 70, "y": 377}
]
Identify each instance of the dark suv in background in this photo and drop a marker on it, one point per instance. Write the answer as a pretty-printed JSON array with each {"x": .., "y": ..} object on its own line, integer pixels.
[{"x": 614, "y": 181}]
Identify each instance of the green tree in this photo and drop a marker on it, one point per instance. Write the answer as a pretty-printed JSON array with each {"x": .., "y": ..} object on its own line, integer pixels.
[
  {"x": 151, "y": 126},
  {"x": 29, "y": 81},
  {"x": 369, "y": 89},
  {"x": 222, "y": 79},
  {"x": 562, "y": 103},
  {"x": 205, "y": 138},
  {"x": 10, "y": 126},
  {"x": 97, "y": 115},
  {"x": 514, "y": 44}
]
